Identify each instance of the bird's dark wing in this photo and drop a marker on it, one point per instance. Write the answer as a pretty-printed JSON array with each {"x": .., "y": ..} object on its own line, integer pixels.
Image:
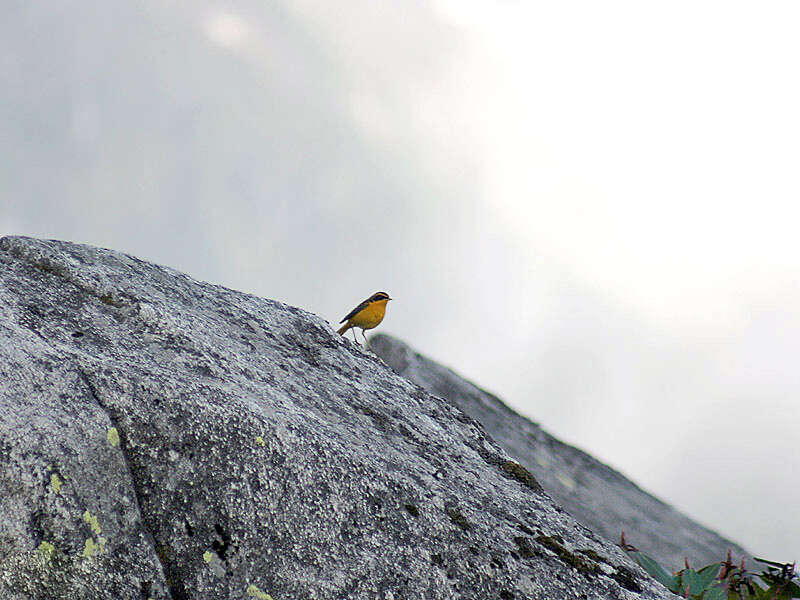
[{"x": 356, "y": 310}]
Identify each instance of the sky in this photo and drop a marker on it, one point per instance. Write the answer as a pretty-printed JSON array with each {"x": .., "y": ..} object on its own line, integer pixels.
[{"x": 588, "y": 209}]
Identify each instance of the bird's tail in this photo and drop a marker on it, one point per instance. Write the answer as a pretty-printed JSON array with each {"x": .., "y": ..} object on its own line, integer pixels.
[{"x": 343, "y": 329}]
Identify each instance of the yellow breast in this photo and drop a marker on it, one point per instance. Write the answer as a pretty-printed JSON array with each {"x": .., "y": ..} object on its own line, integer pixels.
[{"x": 370, "y": 316}]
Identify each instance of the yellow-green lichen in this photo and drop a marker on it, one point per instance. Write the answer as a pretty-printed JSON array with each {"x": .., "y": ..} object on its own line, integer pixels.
[
  {"x": 92, "y": 521},
  {"x": 55, "y": 482},
  {"x": 89, "y": 548},
  {"x": 113, "y": 436},
  {"x": 254, "y": 592},
  {"x": 207, "y": 556},
  {"x": 47, "y": 549},
  {"x": 260, "y": 441}
]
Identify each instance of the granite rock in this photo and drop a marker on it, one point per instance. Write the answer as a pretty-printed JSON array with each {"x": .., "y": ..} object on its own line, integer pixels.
[
  {"x": 167, "y": 438},
  {"x": 599, "y": 497}
]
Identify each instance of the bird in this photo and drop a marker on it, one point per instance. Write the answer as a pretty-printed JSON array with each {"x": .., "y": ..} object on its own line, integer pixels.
[{"x": 366, "y": 315}]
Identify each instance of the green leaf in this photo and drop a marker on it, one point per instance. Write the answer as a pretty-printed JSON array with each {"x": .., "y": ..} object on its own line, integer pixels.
[
  {"x": 793, "y": 589},
  {"x": 698, "y": 581},
  {"x": 783, "y": 591},
  {"x": 657, "y": 572},
  {"x": 769, "y": 562},
  {"x": 762, "y": 594},
  {"x": 716, "y": 593}
]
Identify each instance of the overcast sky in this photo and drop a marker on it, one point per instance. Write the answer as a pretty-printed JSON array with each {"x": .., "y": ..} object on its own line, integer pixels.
[{"x": 590, "y": 209}]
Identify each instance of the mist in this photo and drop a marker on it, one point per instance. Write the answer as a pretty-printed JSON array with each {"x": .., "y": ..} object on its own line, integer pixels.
[{"x": 589, "y": 210}]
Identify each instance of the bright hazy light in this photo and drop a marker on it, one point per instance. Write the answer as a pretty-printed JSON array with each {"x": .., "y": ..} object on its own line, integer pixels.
[
  {"x": 589, "y": 208},
  {"x": 652, "y": 149}
]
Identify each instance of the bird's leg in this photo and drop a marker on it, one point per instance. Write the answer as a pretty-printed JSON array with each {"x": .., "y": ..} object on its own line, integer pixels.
[{"x": 355, "y": 339}]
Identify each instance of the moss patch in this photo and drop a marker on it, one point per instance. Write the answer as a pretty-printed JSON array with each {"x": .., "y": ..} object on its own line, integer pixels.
[
  {"x": 586, "y": 564},
  {"x": 48, "y": 267},
  {"x": 579, "y": 563},
  {"x": 109, "y": 299},
  {"x": 260, "y": 441},
  {"x": 593, "y": 555},
  {"x": 458, "y": 518},
  {"x": 514, "y": 470},
  {"x": 626, "y": 579},
  {"x": 55, "y": 482},
  {"x": 524, "y": 547},
  {"x": 525, "y": 529}
]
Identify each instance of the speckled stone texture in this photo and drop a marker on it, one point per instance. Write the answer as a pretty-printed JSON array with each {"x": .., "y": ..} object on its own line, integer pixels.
[
  {"x": 166, "y": 438},
  {"x": 595, "y": 494}
]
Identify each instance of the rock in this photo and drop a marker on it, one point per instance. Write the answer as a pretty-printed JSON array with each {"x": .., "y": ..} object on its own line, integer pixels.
[
  {"x": 596, "y": 495},
  {"x": 167, "y": 438}
]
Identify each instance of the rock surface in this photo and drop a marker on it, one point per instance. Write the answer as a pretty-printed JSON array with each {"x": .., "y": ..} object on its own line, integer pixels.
[
  {"x": 596, "y": 495},
  {"x": 166, "y": 438}
]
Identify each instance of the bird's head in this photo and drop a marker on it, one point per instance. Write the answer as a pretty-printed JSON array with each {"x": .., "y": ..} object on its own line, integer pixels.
[{"x": 379, "y": 297}]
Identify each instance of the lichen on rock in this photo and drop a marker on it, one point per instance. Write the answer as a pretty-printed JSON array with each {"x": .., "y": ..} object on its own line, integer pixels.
[{"x": 365, "y": 486}]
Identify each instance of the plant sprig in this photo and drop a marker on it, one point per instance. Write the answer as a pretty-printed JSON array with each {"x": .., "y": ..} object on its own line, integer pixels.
[{"x": 722, "y": 580}]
